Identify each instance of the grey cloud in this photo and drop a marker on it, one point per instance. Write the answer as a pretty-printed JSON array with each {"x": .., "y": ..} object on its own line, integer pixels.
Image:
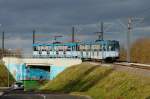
[{"x": 20, "y": 17}]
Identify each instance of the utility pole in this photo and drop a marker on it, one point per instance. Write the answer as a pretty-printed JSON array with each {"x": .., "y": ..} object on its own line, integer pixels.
[
  {"x": 128, "y": 39},
  {"x": 101, "y": 33},
  {"x": 3, "y": 42},
  {"x": 33, "y": 36},
  {"x": 102, "y": 30},
  {"x": 73, "y": 32}
]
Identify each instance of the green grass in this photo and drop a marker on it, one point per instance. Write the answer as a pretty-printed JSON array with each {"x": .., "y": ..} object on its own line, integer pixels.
[
  {"x": 33, "y": 85},
  {"x": 121, "y": 85},
  {"x": 100, "y": 83},
  {"x": 69, "y": 78},
  {"x": 4, "y": 76}
]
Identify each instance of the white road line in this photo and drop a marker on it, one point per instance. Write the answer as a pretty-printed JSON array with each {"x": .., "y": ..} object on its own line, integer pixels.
[{"x": 44, "y": 96}]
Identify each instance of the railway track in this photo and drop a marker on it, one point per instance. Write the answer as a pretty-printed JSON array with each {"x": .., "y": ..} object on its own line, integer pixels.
[
  {"x": 135, "y": 65},
  {"x": 133, "y": 68},
  {"x": 125, "y": 64}
]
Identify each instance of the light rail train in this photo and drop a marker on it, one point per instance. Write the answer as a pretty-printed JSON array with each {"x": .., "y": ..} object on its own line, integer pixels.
[{"x": 99, "y": 50}]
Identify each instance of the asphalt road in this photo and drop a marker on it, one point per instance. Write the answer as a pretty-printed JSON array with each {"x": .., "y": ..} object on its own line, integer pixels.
[
  {"x": 40, "y": 96},
  {"x": 32, "y": 95}
]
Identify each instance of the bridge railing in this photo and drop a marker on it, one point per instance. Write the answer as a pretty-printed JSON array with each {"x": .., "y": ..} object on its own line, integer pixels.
[{"x": 33, "y": 56}]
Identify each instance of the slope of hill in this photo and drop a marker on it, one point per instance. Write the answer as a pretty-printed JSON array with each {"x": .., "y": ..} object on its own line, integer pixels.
[
  {"x": 4, "y": 76},
  {"x": 100, "y": 83}
]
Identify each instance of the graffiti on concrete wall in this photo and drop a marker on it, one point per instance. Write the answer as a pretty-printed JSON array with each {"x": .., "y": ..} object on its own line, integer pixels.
[{"x": 22, "y": 72}]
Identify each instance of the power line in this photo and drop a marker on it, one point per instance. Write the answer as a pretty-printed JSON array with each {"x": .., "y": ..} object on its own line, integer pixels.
[
  {"x": 145, "y": 10},
  {"x": 73, "y": 32},
  {"x": 33, "y": 36},
  {"x": 101, "y": 32}
]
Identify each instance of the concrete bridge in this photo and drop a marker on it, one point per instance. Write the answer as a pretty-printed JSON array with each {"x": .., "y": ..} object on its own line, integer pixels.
[{"x": 35, "y": 68}]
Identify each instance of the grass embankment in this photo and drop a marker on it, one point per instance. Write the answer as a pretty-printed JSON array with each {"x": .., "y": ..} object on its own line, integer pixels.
[
  {"x": 4, "y": 76},
  {"x": 100, "y": 83}
]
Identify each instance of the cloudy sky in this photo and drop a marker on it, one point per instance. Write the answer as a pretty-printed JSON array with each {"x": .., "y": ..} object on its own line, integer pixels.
[{"x": 56, "y": 17}]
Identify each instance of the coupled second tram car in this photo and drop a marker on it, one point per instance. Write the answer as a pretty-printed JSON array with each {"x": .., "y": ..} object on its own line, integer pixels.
[{"x": 99, "y": 50}]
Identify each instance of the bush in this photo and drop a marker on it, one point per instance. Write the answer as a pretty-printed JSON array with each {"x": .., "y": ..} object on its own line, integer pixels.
[{"x": 140, "y": 51}]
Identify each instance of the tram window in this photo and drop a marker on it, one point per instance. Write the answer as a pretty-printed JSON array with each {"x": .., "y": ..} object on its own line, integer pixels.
[
  {"x": 77, "y": 48},
  {"x": 68, "y": 49},
  {"x": 81, "y": 53},
  {"x": 43, "y": 48},
  {"x": 108, "y": 44},
  {"x": 38, "y": 48},
  {"x": 93, "y": 53},
  {"x": 83, "y": 49},
  {"x": 35, "y": 48},
  {"x": 86, "y": 53},
  {"x": 97, "y": 53},
  {"x": 60, "y": 49},
  {"x": 95, "y": 49},
  {"x": 48, "y": 52},
  {"x": 100, "y": 48},
  {"x": 114, "y": 47},
  {"x": 104, "y": 47},
  {"x": 40, "y": 52},
  {"x": 117, "y": 45},
  {"x": 110, "y": 48}
]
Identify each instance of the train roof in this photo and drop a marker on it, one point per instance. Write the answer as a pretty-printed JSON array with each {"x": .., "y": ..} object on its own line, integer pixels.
[
  {"x": 75, "y": 43},
  {"x": 98, "y": 42},
  {"x": 57, "y": 44}
]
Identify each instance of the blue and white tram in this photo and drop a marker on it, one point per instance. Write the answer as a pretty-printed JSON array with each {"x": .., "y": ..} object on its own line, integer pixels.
[
  {"x": 101, "y": 50},
  {"x": 57, "y": 50}
]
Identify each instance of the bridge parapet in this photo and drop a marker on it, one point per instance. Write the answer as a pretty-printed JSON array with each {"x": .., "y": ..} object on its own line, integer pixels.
[
  {"x": 54, "y": 61},
  {"x": 34, "y": 69}
]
